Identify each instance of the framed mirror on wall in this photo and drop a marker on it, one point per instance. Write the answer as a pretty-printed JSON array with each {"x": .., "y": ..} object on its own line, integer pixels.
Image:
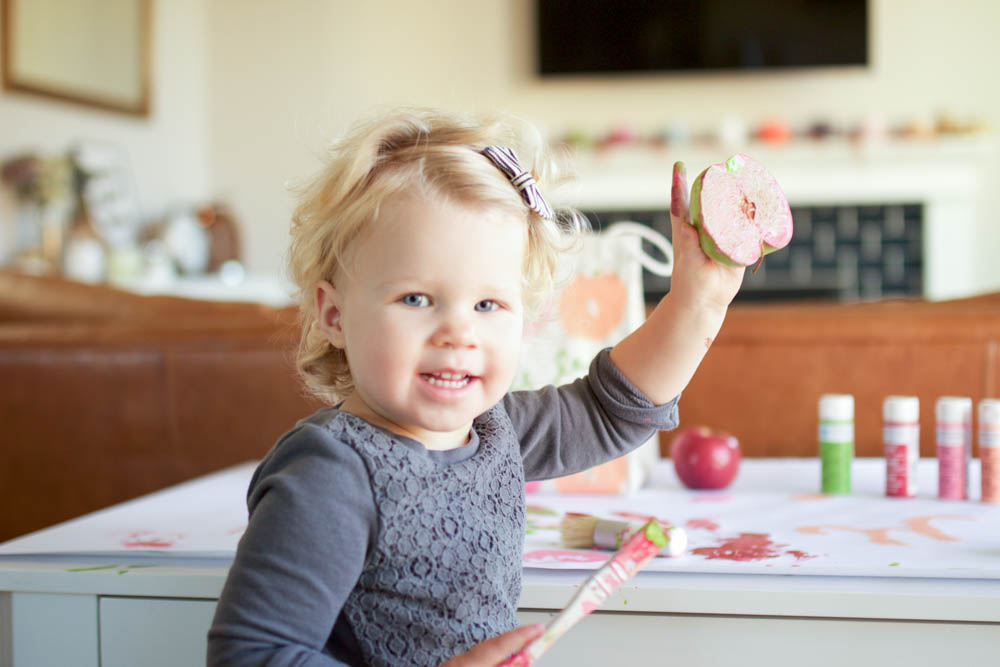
[{"x": 90, "y": 52}]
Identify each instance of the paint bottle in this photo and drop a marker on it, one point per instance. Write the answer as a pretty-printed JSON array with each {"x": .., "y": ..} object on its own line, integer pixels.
[
  {"x": 901, "y": 442},
  {"x": 836, "y": 441},
  {"x": 989, "y": 448},
  {"x": 954, "y": 446}
]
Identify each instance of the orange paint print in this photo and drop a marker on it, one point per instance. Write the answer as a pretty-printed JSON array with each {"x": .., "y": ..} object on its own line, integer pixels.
[
  {"x": 608, "y": 477},
  {"x": 593, "y": 307},
  {"x": 920, "y": 525}
]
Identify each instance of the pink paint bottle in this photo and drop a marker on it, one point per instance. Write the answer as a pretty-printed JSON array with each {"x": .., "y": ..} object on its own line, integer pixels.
[
  {"x": 989, "y": 448},
  {"x": 901, "y": 440},
  {"x": 954, "y": 446}
]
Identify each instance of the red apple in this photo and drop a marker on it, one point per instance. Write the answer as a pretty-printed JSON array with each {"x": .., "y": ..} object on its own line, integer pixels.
[{"x": 705, "y": 459}]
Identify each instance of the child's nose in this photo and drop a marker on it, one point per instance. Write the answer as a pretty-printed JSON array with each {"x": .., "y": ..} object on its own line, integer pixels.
[{"x": 456, "y": 331}]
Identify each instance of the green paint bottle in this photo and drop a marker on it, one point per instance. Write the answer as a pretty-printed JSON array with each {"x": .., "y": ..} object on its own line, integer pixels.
[{"x": 836, "y": 441}]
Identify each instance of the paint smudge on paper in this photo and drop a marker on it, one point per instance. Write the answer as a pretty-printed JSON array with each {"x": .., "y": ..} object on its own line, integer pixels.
[
  {"x": 91, "y": 569},
  {"x": 539, "y": 509},
  {"x": 703, "y": 524},
  {"x": 549, "y": 556},
  {"x": 921, "y": 525},
  {"x": 876, "y": 535},
  {"x": 148, "y": 539},
  {"x": 712, "y": 498},
  {"x": 642, "y": 518},
  {"x": 749, "y": 547},
  {"x": 122, "y": 569}
]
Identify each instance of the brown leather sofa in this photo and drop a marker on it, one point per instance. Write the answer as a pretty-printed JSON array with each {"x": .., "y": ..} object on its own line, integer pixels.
[
  {"x": 106, "y": 395},
  {"x": 764, "y": 375}
]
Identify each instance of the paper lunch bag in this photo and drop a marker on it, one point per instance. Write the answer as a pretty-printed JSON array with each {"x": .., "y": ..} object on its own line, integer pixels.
[{"x": 597, "y": 301}]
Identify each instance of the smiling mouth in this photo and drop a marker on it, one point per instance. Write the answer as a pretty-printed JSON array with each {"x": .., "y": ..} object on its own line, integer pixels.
[{"x": 447, "y": 380}]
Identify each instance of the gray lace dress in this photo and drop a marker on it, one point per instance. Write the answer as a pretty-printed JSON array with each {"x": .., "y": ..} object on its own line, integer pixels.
[{"x": 365, "y": 548}]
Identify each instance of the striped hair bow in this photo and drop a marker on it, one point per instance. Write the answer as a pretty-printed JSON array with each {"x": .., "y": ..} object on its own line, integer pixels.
[{"x": 506, "y": 160}]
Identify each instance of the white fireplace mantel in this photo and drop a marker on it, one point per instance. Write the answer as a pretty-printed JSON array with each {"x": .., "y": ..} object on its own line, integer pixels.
[{"x": 945, "y": 176}]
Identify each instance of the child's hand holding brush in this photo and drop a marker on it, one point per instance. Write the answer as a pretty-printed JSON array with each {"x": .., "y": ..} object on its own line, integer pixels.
[{"x": 638, "y": 549}]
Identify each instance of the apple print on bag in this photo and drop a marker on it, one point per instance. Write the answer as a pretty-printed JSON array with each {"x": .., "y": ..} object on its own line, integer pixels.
[{"x": 597, "y": 301}]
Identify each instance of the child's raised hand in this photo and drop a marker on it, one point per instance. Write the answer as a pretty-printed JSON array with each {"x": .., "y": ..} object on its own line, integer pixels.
[
  {"x": 494, "y": 651},
  {"x": 697, "y": 280},
  {"x": 662, "y": 355}
]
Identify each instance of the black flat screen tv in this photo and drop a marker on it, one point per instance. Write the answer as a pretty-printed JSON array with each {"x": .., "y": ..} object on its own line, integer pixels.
[{"x": 649, "y": 36}]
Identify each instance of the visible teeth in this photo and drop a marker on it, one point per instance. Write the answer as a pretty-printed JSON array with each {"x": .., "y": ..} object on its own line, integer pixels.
[{"x": 448, "y": 380}]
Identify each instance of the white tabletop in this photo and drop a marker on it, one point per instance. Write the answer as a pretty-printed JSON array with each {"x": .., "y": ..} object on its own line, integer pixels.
[{"x": 693, "y": 584}]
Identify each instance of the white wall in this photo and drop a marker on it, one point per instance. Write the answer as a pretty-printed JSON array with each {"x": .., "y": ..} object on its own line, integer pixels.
[
  {"x": 169, "y": 151},
  {"x": 288, "y": 76},
  {"x": 247, "y": 92}
]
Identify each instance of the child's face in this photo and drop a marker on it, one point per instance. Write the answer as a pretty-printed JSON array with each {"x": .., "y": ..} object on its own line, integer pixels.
[{"x": 431, "y": 317}]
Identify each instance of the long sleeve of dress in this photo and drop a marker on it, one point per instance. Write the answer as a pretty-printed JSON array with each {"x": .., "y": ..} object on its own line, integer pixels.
[
  {"x": 566, "y": 429},
  {"x": 313, "y": 517}
]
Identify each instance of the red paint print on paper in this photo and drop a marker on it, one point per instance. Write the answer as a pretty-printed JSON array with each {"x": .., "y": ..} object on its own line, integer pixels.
[
  {"x": 748, "y": 547},
  {"x": 704, "y": 524},
  {"x": 548, "y": 556},
  {"x": 148, "y": 539}
]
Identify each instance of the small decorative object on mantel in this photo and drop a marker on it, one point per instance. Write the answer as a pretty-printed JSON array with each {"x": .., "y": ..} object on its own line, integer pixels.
[
  {"x": 109, "y": 193},
  {"x": 187, "y": 241},
  {"x": 85, "y": 257},
  {"x": 44, "y": 190},
  {"x": 223, "y": 233}
]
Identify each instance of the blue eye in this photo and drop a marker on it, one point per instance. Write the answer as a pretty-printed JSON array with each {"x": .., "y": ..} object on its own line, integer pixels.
[
  {"x": 486, "y": 306},
  {"x": 416, "y": 300}
]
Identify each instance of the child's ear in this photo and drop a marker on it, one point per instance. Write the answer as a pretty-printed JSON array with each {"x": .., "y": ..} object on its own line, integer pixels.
[{"x": 328, "y": 313}]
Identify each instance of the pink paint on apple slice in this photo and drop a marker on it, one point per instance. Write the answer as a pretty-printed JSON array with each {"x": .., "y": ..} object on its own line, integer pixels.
[{"x": 740, "y": 211}]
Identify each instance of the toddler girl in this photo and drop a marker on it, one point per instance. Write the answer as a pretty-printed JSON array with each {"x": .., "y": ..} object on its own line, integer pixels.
[{"x": 387, "y": 529}]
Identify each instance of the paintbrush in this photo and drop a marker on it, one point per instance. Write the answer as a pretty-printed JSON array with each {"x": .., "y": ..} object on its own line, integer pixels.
[
  {"x": 638, "y": 550},
  {"x": 584, "y": 531}
]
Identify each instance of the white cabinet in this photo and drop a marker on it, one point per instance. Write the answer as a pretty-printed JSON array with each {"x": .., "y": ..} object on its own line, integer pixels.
[{"x": 160, "y": 632}]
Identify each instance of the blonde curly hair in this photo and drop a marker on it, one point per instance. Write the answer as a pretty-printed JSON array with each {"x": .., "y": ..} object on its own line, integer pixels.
[{"x": 437, "y": 155}]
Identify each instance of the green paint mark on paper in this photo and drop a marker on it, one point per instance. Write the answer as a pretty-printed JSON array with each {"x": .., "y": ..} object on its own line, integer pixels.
[
  {"x": 893, "y": 564},
  {"x": 538, "y": 509},
  {"x": 123, "y": 570}
]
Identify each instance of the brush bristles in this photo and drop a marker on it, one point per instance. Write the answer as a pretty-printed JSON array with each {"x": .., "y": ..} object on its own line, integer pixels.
[{"x": 577, "y": 531}]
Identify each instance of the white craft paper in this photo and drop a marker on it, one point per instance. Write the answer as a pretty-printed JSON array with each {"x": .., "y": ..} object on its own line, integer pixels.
[
  {"x": 201, "y": 518},
  {"x": 772, "y": 521},
  {"x": 798, "y": 530}
]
